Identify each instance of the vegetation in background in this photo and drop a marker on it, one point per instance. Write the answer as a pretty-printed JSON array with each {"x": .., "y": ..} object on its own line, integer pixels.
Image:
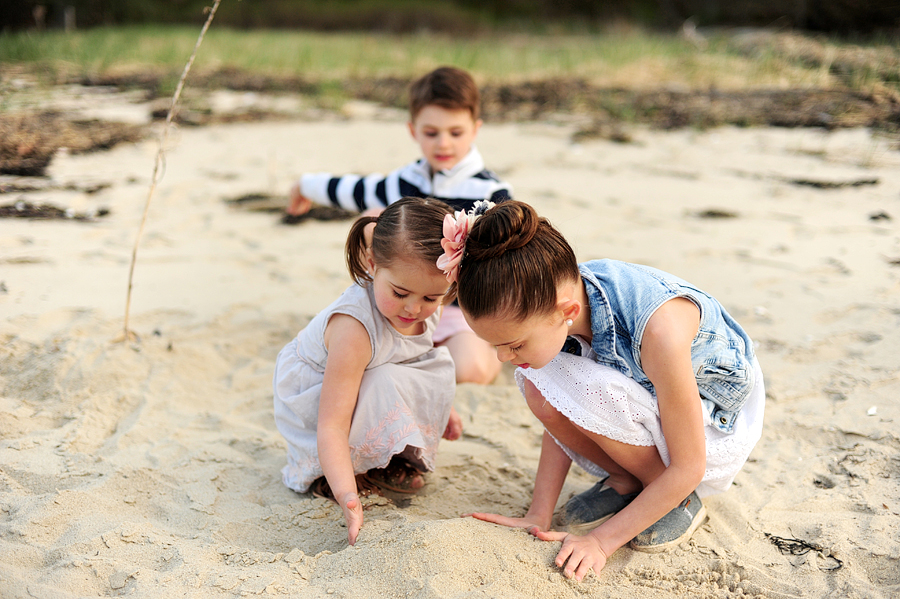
[
  {"x": 623, "y": 56},
  {"x": 602, "y": 80},
  {"x": 464, "y": 17}
]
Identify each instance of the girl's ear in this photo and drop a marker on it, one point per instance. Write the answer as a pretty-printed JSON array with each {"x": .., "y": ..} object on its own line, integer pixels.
[
  {"x": 567, "y": 304},
  {"x": 370, "y": 260},
  {"x": 570, "y": 309}
]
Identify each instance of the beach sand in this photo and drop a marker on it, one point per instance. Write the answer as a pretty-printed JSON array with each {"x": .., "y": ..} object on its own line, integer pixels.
[{"x": 152, "y": 468}]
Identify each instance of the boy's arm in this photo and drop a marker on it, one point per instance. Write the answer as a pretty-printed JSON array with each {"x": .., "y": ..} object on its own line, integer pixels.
[
  {"x": 298, "y": 204},
  {"x": 351, "y": 192},
  {"x": 501, "y": 192}
]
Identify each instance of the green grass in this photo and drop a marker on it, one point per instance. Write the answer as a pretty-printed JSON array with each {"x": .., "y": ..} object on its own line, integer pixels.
[
  {"x": 322, "y": 56},
  {"x": 325, "y": 56},
  {"x": 622, "y": 57}
]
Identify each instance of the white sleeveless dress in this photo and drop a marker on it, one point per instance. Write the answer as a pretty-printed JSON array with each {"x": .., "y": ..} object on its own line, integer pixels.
[
  {"x": 404, "y": 400},
  {"x": 605, "y": 401}
]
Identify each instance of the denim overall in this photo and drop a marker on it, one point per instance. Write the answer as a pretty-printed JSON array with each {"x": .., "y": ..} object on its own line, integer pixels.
[{"x": 622, "y": 299}]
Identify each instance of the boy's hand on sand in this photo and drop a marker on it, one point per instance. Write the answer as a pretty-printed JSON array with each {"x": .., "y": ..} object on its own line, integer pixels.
[
  {"x": 454, "y": 426},
  {"x": 299, "y": 203},
  {"x": 578, "y": 555},
  {"x": 353, "y": 515}
]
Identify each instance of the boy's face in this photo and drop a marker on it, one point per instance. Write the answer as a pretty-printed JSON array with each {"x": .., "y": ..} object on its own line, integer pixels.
[{"x": 444, "y": 135}]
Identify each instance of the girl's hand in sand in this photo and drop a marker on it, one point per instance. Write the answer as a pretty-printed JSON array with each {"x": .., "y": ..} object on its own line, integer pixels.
[
  {"x": 578, "y": 555},
  {"x": 454, "y": 426},
  {"x": 353, "y": 515},
  {"x": 529, "y": 524},
  {"x": 299, "y": 203}
]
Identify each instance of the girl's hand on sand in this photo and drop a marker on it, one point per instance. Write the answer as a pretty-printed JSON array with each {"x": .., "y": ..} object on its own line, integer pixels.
[
  {"x": 353, "y": 515},
  {"x": 454, "y": 426},
  {"x": 578, "y": 555},
  {"x": 299, "y": 203},
  {"x": 527, "y": 523}
]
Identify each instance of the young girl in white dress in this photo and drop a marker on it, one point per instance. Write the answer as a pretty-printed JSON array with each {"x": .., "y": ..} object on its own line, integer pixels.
[
  {"x": 361, "y": 394},
  {"x": 638, "y": 376}
]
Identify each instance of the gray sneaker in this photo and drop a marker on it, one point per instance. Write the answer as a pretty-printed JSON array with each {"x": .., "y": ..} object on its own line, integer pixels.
[
  {"x": 588, "y": 510},
  {"x": 675, "y": 527}
]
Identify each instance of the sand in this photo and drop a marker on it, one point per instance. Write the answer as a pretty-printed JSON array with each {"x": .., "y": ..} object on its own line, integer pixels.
[{"x": 151, "y": 468}]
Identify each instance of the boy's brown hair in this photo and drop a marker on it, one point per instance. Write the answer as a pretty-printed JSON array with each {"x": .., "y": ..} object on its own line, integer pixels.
[{"x": 447, "y": 87}]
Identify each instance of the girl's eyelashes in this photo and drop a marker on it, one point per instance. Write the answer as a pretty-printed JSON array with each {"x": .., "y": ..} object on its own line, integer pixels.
[
  {"x": 428, "y": 299},
  {"x": 515, "y": 349}
]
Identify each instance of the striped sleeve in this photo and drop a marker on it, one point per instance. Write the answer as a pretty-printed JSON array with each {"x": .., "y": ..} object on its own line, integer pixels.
[
  {"x": 356, "y": 193},
  {"x": 350, "y": 192}
]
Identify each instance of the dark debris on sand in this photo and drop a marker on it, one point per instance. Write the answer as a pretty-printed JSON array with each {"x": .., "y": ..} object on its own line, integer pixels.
[
  {"x": 262, "y": 202},
  {"x": 716, "y": 213},
  {"x": 533, "y": 100},
  {"x": 30, "y": 184},
  {"x": 820, "y": 184},
  {"x": 28, "y": 141},
  {"x": 662, "y": 109},
  {"x": 24, "y": 209},
  {"x": 322, "y": 213}
]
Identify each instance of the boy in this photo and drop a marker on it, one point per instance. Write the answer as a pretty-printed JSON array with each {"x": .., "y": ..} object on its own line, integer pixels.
[{"x": 444, "y": 108}]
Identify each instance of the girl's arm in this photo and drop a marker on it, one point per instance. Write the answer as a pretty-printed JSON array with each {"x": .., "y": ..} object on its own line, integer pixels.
[
  {"x": 666, "y": 359},
  {"x": 349, "y": 352},
  {"x": 553, "y": 466}
]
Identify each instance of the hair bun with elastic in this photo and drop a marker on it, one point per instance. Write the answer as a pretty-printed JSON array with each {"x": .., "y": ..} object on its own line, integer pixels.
[{"x": 506, "y": 227}]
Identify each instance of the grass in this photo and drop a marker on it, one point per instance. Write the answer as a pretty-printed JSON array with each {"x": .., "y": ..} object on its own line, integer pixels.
[
  {"x": 624, "y": 74},
  {"x": 625, "y": 57}
]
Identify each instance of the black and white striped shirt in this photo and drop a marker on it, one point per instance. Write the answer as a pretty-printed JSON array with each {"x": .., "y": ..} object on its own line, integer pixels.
[{"x": 460, "y": 187}]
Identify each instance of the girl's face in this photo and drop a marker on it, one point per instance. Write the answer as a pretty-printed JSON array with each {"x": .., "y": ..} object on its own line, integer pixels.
[
  {"x": 529, "y": 343},
  {"x": 407, "y": 293}
]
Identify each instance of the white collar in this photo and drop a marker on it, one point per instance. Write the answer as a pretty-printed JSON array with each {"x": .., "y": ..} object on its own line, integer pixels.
[{"x": 471, "y": 164}]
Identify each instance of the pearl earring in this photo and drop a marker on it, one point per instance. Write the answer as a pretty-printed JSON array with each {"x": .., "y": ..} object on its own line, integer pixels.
[{"x": 569, "y": 322}]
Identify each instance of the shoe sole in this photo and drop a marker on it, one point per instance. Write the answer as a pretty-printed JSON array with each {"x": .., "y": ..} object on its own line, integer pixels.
[
  {"x": 586, "y": 527},
  {"x": 699, "y": 519}
]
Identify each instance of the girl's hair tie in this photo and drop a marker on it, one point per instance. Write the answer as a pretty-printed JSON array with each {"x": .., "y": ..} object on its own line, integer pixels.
[{"x": 456, "y": 230}]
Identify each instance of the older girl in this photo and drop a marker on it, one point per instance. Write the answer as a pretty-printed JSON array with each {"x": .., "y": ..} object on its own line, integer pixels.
[{"x": 638, "y": 376}]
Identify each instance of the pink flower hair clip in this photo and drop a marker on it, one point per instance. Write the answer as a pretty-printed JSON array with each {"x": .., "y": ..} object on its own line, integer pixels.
[{"x": 456, "y": 230}]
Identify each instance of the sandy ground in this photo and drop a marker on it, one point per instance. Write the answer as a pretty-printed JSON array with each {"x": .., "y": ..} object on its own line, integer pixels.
[{"x": 151, "y": 469}]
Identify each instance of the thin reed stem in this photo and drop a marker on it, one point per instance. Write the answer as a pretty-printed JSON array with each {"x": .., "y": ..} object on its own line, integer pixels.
[{"x": 159, "y": 170}]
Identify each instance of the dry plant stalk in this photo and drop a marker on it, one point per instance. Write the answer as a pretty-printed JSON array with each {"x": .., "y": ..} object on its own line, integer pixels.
[{"x": 128, "y": 335}]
